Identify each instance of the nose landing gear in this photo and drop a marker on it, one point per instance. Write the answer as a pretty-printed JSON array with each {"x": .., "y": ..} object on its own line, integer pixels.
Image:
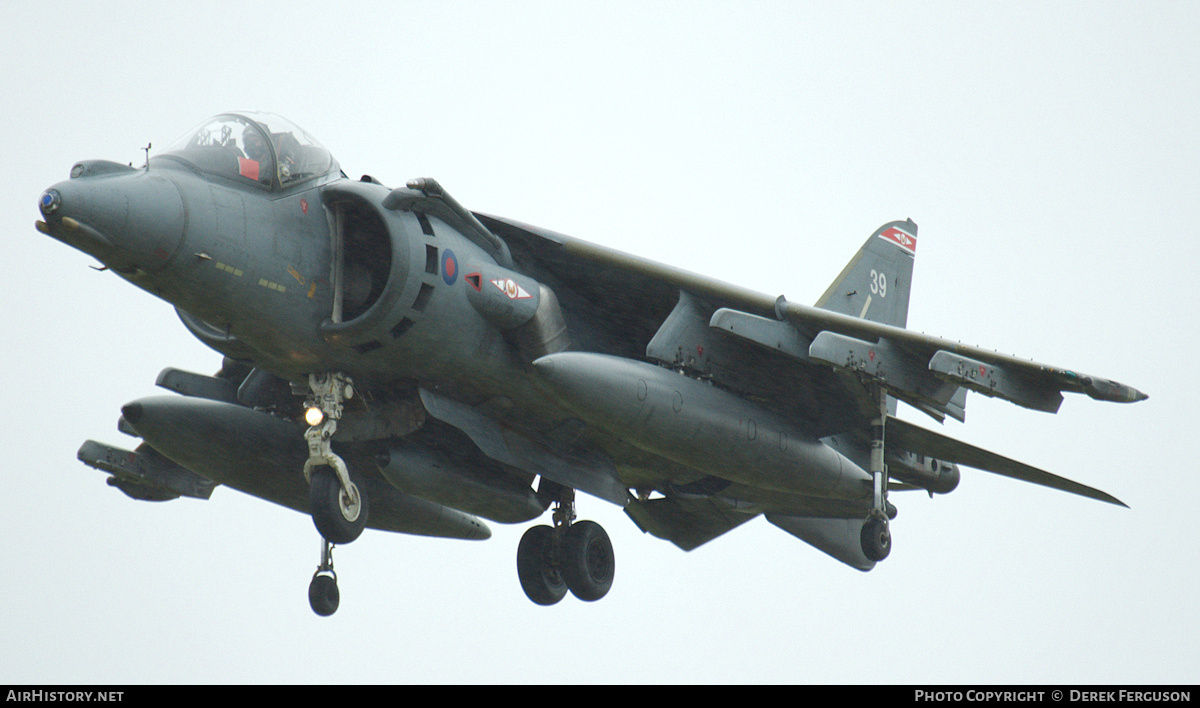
[
  {"x": 339, "y": 508},
  {"x": 339, "y": 515}
]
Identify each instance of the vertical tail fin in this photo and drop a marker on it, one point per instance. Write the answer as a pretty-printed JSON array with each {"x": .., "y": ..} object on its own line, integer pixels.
[{"x": 876, "y": 282}]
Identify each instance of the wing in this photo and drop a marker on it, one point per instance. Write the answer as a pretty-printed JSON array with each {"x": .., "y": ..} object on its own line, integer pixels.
[
  {"x": 640, "y": 294},
  {"x": 627, "y": 306},
  {"x": 1026, "y": 383},
  {"x": 815, "y": 365},
  {"x": 913, "y": 437}
]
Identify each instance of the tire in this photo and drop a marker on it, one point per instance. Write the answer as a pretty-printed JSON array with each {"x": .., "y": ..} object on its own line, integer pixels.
[
  {"x": 537, "y": 570},
  {"x": 876, "y": 539},
  {"x": 323, "y": 595},
  {"x": 335, "y": 518},
  {"x": 588, "y": 562}
]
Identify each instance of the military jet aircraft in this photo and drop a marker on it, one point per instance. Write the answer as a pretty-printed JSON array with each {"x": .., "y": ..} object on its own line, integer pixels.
[{"x": 395, "y": 361}]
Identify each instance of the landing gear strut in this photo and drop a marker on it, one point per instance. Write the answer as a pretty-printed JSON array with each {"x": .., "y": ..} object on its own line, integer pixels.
[
  {"x": 569, "y": 555},
  {"x": 876, "y": 539},
  {"x": 339, "y": 508}
]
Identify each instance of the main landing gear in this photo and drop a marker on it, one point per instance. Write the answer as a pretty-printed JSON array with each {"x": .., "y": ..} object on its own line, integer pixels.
[
  {"x": 569, "y": 555},
  {"x": 339, "y": 508}
]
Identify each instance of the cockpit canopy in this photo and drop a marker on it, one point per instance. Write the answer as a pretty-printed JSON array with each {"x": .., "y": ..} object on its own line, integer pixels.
[{"x": 262, "y": 149}]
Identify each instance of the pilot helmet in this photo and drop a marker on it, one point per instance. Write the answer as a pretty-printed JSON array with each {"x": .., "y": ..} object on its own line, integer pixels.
[{"x": 256, "y": 145}]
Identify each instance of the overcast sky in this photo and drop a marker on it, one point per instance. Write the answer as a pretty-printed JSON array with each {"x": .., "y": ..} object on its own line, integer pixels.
[{"x": 1049, "y": 152}]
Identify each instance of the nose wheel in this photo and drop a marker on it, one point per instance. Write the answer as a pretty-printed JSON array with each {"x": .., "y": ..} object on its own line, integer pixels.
[
  {"x": 339, "y": 508},
  {"x": 339, "y": 515}
]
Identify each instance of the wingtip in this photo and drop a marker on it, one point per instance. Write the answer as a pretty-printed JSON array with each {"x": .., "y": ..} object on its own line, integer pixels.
[
  {"x": 1106, "y": 497},
  {"x": 1114, "y": 391},
  {"x": 1093, "y": 493}
]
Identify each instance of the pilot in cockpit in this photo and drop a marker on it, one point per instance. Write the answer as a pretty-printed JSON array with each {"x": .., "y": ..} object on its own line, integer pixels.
[
  {"x": 259, "y": 147},
  {"x": 288, "y": 150},
  {"x": 257, "y": 150}
]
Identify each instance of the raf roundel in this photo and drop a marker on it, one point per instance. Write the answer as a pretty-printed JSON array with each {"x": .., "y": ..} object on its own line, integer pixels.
[{"x": 449, "y": 267}]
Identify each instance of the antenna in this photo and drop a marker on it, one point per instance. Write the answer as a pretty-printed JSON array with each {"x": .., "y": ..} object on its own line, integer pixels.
[{"x": 147, "y": 149}]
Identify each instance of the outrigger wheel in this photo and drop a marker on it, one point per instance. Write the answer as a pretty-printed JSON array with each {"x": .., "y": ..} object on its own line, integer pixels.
[
  {"x": 876, "y": 539},
  {"x": 323, "y": 595}
]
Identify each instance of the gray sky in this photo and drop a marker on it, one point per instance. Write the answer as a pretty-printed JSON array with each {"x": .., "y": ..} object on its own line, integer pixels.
[{"x": 1049, "y": 152}]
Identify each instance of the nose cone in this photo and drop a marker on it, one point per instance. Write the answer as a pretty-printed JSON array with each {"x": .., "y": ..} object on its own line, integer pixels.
[{"x": 128, "y": 219}]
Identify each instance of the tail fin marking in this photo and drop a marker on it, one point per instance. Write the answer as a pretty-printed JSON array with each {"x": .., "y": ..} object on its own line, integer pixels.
[{"x": 875, "y": 284}]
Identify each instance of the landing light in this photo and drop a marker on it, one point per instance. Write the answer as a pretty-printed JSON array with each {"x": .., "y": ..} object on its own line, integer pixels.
[{"x": 313, "y": 416}]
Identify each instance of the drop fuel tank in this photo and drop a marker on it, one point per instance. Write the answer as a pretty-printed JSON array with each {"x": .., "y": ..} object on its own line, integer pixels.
[{"x": 697, "y": 424}]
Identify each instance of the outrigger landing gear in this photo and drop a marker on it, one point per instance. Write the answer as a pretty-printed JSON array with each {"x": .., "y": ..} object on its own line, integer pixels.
[
  {"x": 575, "y": 556},
  {"x": 339, "y": 508},
  {"x": 323, "y": 593},
  {"x": 876, "y": 539}
]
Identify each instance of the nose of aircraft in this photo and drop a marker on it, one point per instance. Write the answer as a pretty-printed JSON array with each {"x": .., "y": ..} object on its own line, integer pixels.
[{"x": 129, "y": 219}]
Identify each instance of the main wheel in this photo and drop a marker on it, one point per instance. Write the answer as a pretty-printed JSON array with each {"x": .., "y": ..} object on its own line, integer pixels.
[
  {"x": 588, "y": 562},
  {"x": 323, "y": 594},
  {"x": 876, "y": 539},
  {"x": 339, "y": 517},
  {"x": 537, "y": 568}
]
